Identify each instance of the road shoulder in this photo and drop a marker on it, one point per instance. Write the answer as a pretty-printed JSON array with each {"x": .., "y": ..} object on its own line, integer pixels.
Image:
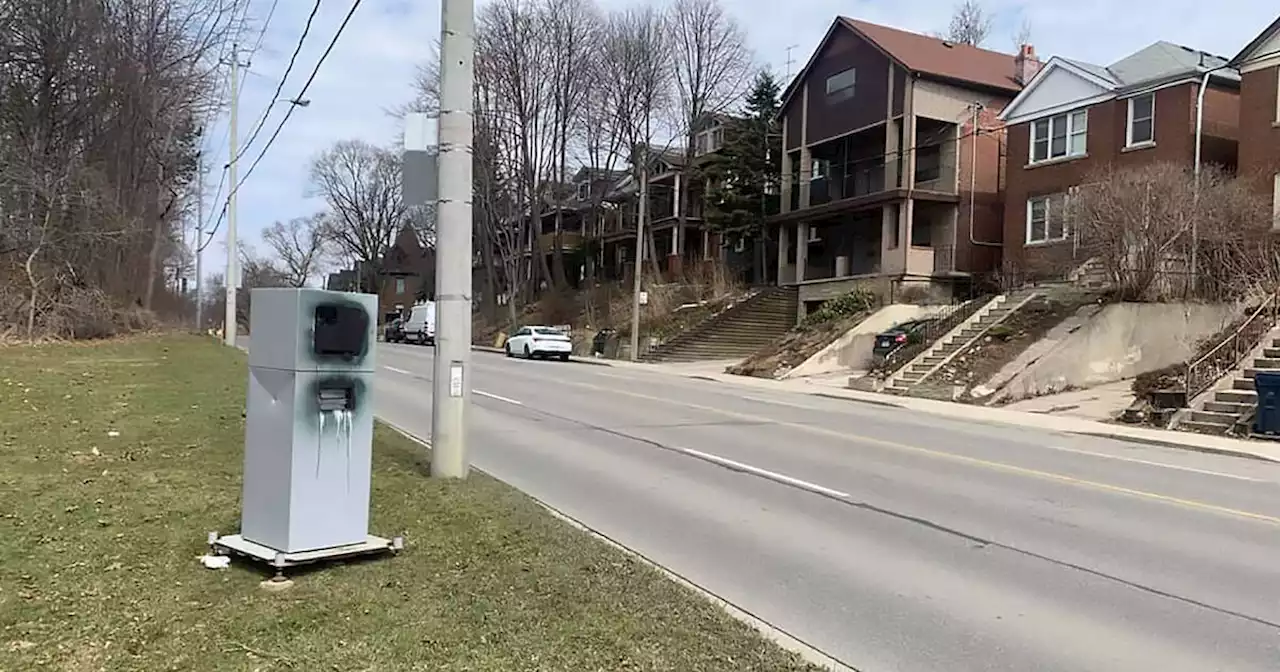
[{"x": 133, "y": 449}]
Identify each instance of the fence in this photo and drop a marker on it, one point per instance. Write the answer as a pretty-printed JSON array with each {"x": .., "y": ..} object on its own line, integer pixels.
[{"x": 1227, "y": 355}]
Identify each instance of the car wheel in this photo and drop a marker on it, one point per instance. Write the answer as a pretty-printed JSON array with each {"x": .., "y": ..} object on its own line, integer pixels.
[
  {"x": 564, "y": 358},
  {"x": 507, "y": 348},
  {"x": 527, "y": 353}
]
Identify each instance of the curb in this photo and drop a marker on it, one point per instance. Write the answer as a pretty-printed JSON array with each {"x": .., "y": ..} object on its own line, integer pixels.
[
  {"x": 777, "y": 635},
  {"x": 575, "y": 359},
  {"x": 954, "y": 411}
]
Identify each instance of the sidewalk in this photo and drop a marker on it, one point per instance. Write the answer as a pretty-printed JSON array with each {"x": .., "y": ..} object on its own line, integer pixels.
[{"x": 1261, "y": 450}]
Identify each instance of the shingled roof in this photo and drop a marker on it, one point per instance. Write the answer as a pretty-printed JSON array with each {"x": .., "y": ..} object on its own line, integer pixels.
[{"x": 928, "y": 56}]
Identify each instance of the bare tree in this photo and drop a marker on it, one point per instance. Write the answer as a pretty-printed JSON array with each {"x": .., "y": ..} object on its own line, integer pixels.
[
  {"x": 712, "y": 69},
  {"x": 1159, "y": 233},
  {"x": 99, "y": 128},
  {"x": 637, "y": 66},
  {"x": 361, "y": 185},
  {"x": 572, "y": 29},
  {"x": 1022, "y": 36},
  {"x": 516, "y": 53},
  {"x": 970, "y": 23},
  {"x": 299, "y": 244}
]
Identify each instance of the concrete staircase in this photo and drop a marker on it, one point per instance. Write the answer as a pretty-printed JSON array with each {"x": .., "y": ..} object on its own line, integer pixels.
[
  {"x": 957, "y": 340},
  {"x": 736, "y": 333},
  {"x": 1233, "y": 400}
]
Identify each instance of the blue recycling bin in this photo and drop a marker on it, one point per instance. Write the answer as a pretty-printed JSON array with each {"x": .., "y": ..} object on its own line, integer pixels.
[{"x": 1267, "y": 419}]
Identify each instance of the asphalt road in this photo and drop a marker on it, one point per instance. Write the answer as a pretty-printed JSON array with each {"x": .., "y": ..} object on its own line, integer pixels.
[{"x": 888, "y": 540}]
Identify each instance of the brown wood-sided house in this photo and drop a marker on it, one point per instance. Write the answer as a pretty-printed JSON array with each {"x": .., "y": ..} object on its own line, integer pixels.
[
  {"x": 680, "y": 236},
  {"x": 1259, "y": 65},
  {"x": 406, "y": 275},
  {"x": 892, "y": 162},
  {"x": 1074, "y": 118}
]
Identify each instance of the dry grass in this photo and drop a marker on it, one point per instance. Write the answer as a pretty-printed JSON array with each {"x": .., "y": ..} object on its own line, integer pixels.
[{"x": 100, "y": 534}]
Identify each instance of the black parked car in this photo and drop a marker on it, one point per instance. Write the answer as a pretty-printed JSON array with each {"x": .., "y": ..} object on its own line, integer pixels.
[
  {"x": 903, "y": 334},
  {"x": 393, "y": 332}
]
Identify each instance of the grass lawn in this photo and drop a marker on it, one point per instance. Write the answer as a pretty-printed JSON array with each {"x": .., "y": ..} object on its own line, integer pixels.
[{"x": 118, "y": 458}]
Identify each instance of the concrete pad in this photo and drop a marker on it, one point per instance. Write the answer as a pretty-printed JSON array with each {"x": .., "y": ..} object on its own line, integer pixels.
[{"x": 1102, "y": 403}]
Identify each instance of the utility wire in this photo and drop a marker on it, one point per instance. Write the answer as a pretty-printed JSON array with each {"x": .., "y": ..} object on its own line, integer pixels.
[
  {"x": 262, "y": 119},
  {"x": 275, "y": 97},
  {"x": 289, "y": 111},
  {"x": 235, "y": 97}
]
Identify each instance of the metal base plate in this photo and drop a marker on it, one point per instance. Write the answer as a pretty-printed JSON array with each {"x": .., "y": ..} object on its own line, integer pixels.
[{"x": 238, "y": 545}]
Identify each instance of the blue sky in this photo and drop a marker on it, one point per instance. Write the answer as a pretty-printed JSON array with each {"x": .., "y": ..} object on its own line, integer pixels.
[{"x": 371, "y": 70}]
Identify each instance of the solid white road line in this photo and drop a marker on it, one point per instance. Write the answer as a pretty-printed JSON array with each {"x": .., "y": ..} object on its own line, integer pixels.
[
  {"x": 395, "y": 370},
  {"x": 495, "y": 396},
  {"x": 763, "y": 473}
]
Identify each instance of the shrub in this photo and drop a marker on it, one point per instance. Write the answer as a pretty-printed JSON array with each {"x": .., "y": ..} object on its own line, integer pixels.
[
  {"x": 1001, "y": 332},
  {"x": 858, "y": 301}
]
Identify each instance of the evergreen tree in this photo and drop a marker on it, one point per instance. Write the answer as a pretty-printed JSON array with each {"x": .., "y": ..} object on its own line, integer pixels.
[{"x": 745, "y": 174}]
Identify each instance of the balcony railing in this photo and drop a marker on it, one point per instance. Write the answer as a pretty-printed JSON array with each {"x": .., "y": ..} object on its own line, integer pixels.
[{"x": 860, "y": 178}]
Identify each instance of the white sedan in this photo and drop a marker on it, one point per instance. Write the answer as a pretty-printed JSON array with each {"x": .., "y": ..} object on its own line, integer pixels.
[{"x": 539, "y": 342}]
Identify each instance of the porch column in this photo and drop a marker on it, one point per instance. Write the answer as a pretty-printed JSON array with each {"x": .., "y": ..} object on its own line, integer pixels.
[
  {"x": 806, "y": 174},
  {"x": 784, "y": 252},
  {"x": 802, "y": 251},
  {"x": 892, "y": 161},
  {"x": 674, "y": 256},
  {"x": 787, "y": 186},
  {"x": 802, "y": 262}
]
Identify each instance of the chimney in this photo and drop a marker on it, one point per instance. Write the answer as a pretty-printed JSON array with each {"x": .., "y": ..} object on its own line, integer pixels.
[{"x": 1025, "y": 65}]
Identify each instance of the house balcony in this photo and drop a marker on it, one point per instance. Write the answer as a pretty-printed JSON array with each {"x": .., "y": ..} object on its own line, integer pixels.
[
  {"x": 856, "y": 172},
  {"x": 569, "y": 240}
]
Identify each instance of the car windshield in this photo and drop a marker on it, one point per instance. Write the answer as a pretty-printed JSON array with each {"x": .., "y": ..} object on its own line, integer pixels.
[{"x": 547, "y": 331}]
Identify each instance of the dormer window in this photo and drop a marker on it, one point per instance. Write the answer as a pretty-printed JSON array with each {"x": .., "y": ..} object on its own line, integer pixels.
[
  {"x": 584, "y": 191},
  {"x": 840, "y": 86}
]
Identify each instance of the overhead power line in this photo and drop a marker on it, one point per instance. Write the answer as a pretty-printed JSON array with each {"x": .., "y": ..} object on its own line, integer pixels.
[
  {"x": 289, "y": 111},
  {"x": 275, "y": 97}
]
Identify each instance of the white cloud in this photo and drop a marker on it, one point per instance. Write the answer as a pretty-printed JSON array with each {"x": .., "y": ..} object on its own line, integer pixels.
[{"x": 371, "y": 69}]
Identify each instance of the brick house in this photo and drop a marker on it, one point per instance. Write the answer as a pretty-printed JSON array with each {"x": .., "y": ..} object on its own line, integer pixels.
[
  {"x": 1074, "y": 118},
  {"x": 1259, "y": 65},
  {"x": 407, "y": 274},
  {"x": 891, "y": 162}
]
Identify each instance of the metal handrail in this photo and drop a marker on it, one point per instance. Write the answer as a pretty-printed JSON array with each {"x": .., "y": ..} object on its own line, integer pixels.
[
  {"x": 1227, "y": 355},
  {"x": 933, "y": 330}
]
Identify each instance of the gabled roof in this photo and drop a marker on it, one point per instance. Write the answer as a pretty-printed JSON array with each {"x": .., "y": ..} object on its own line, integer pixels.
[
  {"x": 932, "y": 56},
  {"x": 929, "y": 56},
  {"x": 1248, "y": 52},
  {"x": 1155, "y": 65}
]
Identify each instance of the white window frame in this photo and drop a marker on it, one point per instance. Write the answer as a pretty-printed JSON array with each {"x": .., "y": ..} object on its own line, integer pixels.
[
  {"x": 1049, "y": 201},
  {"x": 1275, "y": 204},
  {"x": 818, "y": 169},
  {"x": 1130, "y": 120},
  {"x": 1278, "y": 95},
  {"x": 584, "y": 191},
  {"x": 400, "y": 285},
  {"x": 1077, "y": 124}
]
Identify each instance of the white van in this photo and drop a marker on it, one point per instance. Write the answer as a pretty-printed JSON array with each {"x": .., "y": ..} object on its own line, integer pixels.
[{"x": 420, "y": 327}]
